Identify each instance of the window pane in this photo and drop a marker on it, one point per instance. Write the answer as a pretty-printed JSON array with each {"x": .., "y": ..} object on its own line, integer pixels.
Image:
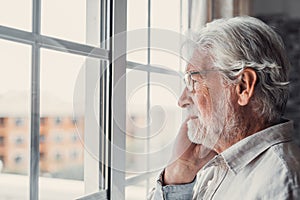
[
  {"x": 153, "y": 117},
  {"x": 136, "y": 30},
  {"x": 166, "y": 60},
  {"x": 166, "y": 36},
  {"x": 16, "y": 14},
  {"x": 61, "y": 139},
  {"x": 69, "y": 20},
  {"x": 136, "y": 125},
  {"x": 165, "y": 14},
  {"x": 14, "y": 120},
  {"x": 166, "y": 118},
  {"x": 137, "y": 8},
  {"x": 136, "y": 91},
  {"x": 136, "y": 192},
  {"x": 150, "y": 138}
]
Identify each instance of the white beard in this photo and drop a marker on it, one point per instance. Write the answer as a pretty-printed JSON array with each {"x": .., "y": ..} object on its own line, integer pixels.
[
  {"x": 208, "y": 131},
  {"x": 205, "y": 134}
]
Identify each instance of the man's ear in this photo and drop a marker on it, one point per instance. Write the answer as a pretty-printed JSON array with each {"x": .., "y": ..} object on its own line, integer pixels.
[{"x": 246, "y": 85}]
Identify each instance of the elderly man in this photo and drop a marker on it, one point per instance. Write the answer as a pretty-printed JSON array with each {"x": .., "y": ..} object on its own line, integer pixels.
[{"x": 234, "y": 143}]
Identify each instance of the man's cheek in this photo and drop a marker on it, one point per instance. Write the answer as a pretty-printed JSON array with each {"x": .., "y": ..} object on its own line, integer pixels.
[
  {"x": 203, "y": 104},
  {"x": 201, "y": 88}
]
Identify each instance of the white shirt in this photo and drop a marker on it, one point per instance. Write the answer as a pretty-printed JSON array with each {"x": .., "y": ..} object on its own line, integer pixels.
[{"x": 265, "y": 165}]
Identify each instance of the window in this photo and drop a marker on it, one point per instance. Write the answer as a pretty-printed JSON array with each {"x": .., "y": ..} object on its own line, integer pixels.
[
  {"x": 42, "y": 138},
  {"x": 2, "y": 140},
  {"x": 153, "y": 86},
  {"x": 14, "y": 102},
  {"x": 18, "y": 159},
  {"x": 43, "y": 120},
  {"x": 74, "y": 154},
  {"x": 2, "y": 121},
  {"x": 19, "y": 121},
  {"x": 19, "y": 140},
  {"x": 58, "y": 137},
  {"x": 74, "y": 137},
  {"x": 57, "y": 120},
  {"x": 58, "y": 54},
  {"x": 74, "y": 120},
  {"x": 58, "y": 156},
  {"x": 42, "y": 156}
]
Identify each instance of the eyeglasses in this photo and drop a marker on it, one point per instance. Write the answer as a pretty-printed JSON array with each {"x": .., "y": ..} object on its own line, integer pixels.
[{"x": 189, "y": 81}]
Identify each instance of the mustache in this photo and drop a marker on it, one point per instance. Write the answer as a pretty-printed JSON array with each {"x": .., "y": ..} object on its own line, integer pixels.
[
  {"x": 194, "y": 114},
  {"x": 191, "y": 111}
]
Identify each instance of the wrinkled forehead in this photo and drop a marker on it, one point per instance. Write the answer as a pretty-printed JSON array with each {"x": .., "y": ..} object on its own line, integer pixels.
[{"x": 200, "y": 60}]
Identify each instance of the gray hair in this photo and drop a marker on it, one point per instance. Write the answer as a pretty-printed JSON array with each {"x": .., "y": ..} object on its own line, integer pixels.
[{"x": 246, "y": 42}]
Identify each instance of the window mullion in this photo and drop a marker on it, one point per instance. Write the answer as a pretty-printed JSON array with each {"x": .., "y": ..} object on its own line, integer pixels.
[
  {"x": 148, "y": 92},
  {"x": 91, "y": 128},
  {"x": 35, "y": 104},
  {"x": 25, "y": 37},
  {"x": 118, "y": 99},
  {"x": 102, "y": 96}
]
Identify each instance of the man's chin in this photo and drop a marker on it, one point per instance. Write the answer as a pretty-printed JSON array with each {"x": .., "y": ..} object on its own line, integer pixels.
[
  {"x": 207, "y": 142},
  {"x": 199, "y": 135},
  {"x": 203, "y": 142},
  {"x": 196, "y": 139},
  {"x": 192, "y": 137}
]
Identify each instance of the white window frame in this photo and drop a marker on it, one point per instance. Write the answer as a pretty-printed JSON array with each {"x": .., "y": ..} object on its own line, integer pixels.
[{"x": 113, "y": 21}]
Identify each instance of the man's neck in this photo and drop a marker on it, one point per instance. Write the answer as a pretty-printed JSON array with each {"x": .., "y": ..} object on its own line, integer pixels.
[{"x": 238, "y": 133}]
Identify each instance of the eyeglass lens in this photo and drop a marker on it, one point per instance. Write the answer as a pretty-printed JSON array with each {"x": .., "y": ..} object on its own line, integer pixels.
[{"x": 188, "y": 81}]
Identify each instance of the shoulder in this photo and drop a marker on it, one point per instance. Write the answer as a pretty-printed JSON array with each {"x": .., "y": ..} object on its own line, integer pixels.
[{"x": 280, "y": 170}]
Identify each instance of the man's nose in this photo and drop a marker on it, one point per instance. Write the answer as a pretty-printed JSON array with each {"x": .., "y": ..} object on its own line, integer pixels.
[{"x": 185, "y": 99}]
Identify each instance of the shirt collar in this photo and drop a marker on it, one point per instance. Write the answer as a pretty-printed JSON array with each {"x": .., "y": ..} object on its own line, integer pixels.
[{"x": 243, "y": 152}]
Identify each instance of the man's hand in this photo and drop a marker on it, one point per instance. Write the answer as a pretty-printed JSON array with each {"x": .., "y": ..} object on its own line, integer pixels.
[{"x": 187, "y": 159}]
